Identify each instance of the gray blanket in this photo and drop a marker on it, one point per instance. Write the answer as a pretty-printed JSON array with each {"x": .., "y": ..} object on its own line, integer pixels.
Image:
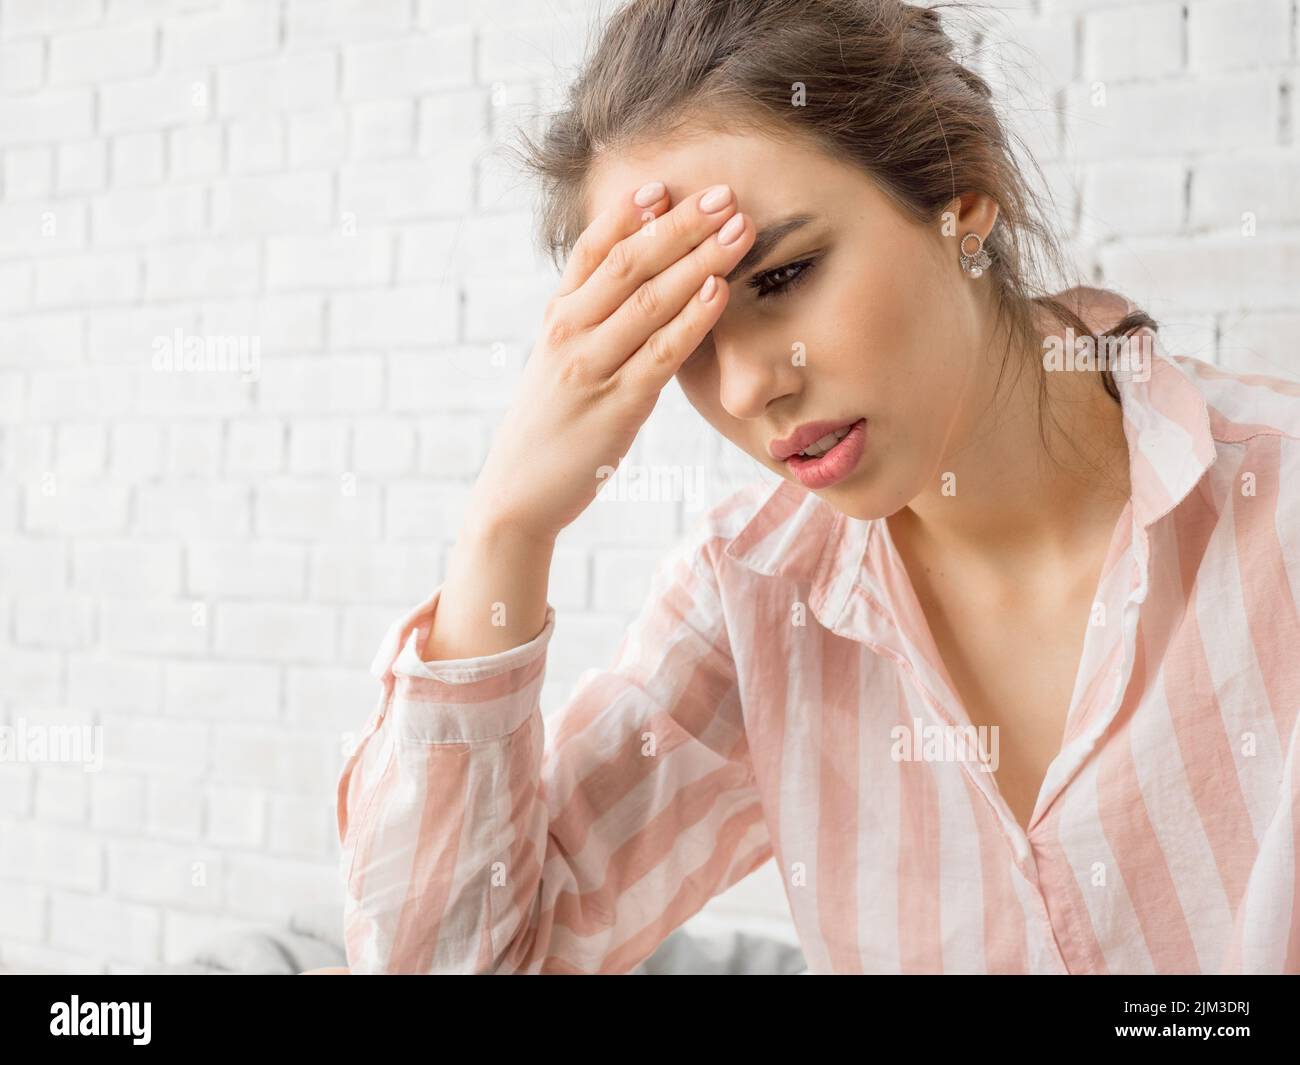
[{"x": 313, "y": 939}]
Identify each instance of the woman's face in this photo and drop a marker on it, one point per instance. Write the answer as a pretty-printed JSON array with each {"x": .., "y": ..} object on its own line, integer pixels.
[{"x": 856, "y": 312}]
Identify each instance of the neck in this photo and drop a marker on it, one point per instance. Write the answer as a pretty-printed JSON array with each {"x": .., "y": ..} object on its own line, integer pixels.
[{"x": 1009, "y": 502}]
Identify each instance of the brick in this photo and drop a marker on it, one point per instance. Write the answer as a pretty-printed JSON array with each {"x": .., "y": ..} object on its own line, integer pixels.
[
  {"x": 89, "y": 393},
  {"x": 122, "y": 685},
  {"x": 505, "y": 309},
  {"x": 1141, "y": 42},
  {"x": 301, "y": 826},
  {"x": 201, "y": 270},
  {"x": 175, "y": 809},
  {"x": 417, "y": 316},
  {"x": 41, "y": 227},
  {"x": 54, "y": 621},
  {"x": 1213, "y": 114},
  {"x": 363, "y": 629},
  {"x": 457, "y": 115},
  {"x": 1228, "y": 34},
  {"x": 171, "y": 99},
  {"x": 137, "y": 158},
  {"x": 16, "y": 287},
  {"x": 149, "y": 627},
  {"x": 498, "y": 243},
  {"x": 317, "y": 510},
  {"x": 329, "y": 260},
  {"x": 194, "y": 450},
  {"x": 222, "y": 570},
  {"x": 408, "y": 188},
  {"x": 53, "y": 856},
  {"x": 117, "y": 802},
  {"x": 155, "y": 746},
  {"x": 106, "y": 926},
  {"x": 459, "y": 378},
  {"x": 424, "y": 510},
  {"x": 409, "y": 67},
  {"x": 194, "y": 151},
  {"x": 236, "y": 816},
  {"x": 382, "y": 446},
  {"x": 286, "y": 83},
  {"x": 318, "y": 138},
  {"x": 50, "y": 117},
  {"x": 87, "y": 280},
  {"x": 28, "y": 172},
  {"x": 41, "y": 339},
  {"x": 1221, "y": 274},
  {"x": 256, "y": 145},
  {"x": 148, "y": 215},
  {"x": 318, "y": 447},
  {"x": 82, "y": 166},
  {"x": 382, "y": 129},
  {"x": 136, "y": 449},
  {"x": 332, "y": 697},
  {"x": 192, "y": 508},
  {"x": 272, "y": 204},
  {"x": 452, "y": 446},
  {"x": 273, "y": 758},
  {"x": 316, "y": 22},
  {"x": 22, "y": 66},
  {"x": 101, "y": 54},
  {"x": 281, "y": 323},
  {"x": 41, "y": 16},
  {"x": 268, "y": 888},
  {"x": 386, "y": 573},
  {"x": 195, "y": 39},
  {"x": 312, "y": 385},
  {"x": 172, "y": 874},
  {"x": 79, "y": 506},
  {"x": 254, "y": 448},
  {"x": 62, "y": 794},
  {"x": 22, "y": 912},
  {"x": 222, "y": 691},
  {"x": 29, "y": 567},
  {"x": 130, "y": 334},
  {"x": 1225, "y": 189}
]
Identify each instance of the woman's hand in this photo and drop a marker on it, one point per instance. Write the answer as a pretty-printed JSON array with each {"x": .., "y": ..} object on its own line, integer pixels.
[{"x": 628, "y": 312}]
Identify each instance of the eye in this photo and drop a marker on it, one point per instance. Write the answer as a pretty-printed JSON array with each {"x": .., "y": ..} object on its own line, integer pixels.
[{"x": 781, "y": 280}]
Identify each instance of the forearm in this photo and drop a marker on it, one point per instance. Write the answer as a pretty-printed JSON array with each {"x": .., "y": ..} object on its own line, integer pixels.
[{"x": 494, "y": 594}]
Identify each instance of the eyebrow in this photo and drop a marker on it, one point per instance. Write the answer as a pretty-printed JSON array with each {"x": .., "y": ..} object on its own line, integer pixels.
[{"x": 765, "y": 243}]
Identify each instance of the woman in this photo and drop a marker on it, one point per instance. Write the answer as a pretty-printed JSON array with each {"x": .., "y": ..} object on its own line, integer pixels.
[{"x": 1001, "y": 672}]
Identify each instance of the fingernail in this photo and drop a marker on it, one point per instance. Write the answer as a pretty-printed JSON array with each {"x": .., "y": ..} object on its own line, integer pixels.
[
  {"x": 716, "y": 198},
  {"x": 649, "y": 193},
  {"x": 709, "y": 287},
  {"x": 730, "y": 233}
]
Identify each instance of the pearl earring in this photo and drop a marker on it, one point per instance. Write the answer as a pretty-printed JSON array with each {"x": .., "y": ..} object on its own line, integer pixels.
[{"x": 977, "y": 261}]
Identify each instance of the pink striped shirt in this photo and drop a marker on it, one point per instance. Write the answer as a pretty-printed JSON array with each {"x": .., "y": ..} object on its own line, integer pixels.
[{"x": 727, "y": 734}]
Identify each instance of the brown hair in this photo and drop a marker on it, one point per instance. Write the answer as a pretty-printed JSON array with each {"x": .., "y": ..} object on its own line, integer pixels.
[{"x": 883, "y": 92}]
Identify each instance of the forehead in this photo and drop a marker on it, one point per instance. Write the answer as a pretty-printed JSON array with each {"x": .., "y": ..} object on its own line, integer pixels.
[{"x": 768, "y": 176}]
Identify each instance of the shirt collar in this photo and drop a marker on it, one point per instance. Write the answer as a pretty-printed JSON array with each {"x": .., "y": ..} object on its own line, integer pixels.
[{"x": 794, "y": 532}]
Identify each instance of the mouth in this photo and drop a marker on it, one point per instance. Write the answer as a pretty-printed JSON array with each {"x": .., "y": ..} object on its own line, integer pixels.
[{"x": 831, "y": 457}]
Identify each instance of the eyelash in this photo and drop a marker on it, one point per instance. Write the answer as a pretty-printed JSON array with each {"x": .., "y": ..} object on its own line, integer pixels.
[{"x": 766, "y": 289}]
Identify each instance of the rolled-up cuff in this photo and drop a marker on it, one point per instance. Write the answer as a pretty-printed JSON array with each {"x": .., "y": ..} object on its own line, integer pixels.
[{"x": 463, "y": 700}]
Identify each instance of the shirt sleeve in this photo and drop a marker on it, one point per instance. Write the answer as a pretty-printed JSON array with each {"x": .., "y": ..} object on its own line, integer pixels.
[{"x": 474, "y": 842}]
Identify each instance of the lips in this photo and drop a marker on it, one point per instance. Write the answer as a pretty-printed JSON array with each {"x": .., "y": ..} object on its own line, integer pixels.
[{"x": 804, "y": 436}]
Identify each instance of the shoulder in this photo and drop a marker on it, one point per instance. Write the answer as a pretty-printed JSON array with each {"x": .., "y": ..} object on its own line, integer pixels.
[{"x": 1246, "y": 405}]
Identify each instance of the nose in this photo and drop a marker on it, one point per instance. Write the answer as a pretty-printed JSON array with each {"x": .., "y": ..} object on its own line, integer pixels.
[{"x": 754, "y": 371}]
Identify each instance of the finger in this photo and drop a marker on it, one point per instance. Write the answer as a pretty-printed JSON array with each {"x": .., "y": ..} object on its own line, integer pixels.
[
  {"x": 649, "y": 251},
  {"x": 662, "y": 297},
  {"x": 607, "y": 229},
  {"x": 653, "y": 364}
]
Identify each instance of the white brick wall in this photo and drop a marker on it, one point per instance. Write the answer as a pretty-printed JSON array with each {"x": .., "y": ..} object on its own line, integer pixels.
[{"x": 202, "y": 566}]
